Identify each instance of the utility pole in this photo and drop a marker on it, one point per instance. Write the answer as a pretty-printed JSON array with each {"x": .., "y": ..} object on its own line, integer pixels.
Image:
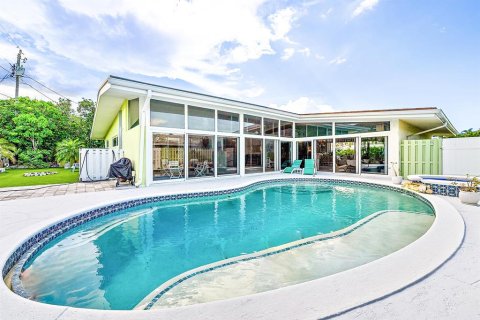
[{"x": 18, "y": 71}]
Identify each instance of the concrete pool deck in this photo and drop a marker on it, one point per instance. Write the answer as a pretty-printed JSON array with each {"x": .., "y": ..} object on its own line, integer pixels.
[{"x": 21, "y": 218}]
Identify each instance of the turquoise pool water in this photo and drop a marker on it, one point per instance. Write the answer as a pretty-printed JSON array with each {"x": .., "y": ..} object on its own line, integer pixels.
[{"x": 115, "y": 261}]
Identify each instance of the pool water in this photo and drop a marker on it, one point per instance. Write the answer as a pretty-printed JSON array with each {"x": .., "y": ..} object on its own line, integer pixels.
[{"x": 115, "y": 261}]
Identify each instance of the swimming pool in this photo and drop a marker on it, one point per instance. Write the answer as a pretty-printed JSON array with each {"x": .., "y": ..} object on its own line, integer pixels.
[{"x": 141, "y": 247}]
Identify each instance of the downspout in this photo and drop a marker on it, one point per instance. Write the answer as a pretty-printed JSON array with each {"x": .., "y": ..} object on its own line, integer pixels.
[{"x": 143, "y": 127}]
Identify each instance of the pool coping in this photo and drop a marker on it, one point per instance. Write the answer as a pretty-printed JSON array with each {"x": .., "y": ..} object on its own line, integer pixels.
[{"x": 447, "y": 228}]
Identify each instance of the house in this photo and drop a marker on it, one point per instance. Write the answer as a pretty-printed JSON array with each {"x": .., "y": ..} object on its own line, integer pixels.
[{"x": 176, "y": 134}]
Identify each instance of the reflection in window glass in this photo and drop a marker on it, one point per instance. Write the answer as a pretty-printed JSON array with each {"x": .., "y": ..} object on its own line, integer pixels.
[
  {"x": 286, "y": 129},
  {"x": 252, "y": 124},
  {"x": 303, "y": 130},
  {"x": 324, "y": 155},
  {"x": 133, "y": 113},
  {"x": 227, "y": 155},
  {"x": 374, "y": 155},
  {"x": 228, "y": 122},
  {"x": 270, "y": 127},
  {"x": 200, "y": 156},
  {"x": 285, "y": 154},
  {"x": 304, "y": 150},
  {"x": 168, "y": 156},
  {"x": 253, "y": 155},
  {"x": 345, "y": 155},
  {"x": 201, "y": 119},
  {"x": 360, "y": 127},
  {"x": 167, "y": 114},
  {"x": 269, "y": 155}
]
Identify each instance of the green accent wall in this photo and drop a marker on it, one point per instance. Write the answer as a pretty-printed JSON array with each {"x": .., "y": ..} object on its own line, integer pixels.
[{"x": 130, "y": 137}]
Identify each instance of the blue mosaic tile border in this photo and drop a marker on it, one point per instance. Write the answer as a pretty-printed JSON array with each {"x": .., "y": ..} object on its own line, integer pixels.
[
  {"x": 35, "y": 243},
  {"x": 284, "y": 249},
  {"x": 445, "y": 189}
]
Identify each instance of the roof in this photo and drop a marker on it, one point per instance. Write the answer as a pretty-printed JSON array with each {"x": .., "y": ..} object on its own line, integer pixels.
[{"x": 115, "y": 90}]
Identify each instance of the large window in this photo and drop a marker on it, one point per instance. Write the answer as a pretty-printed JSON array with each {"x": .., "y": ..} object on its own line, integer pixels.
[
  {"x": 200, "y": 156},
  {"x": 252, "y": 125},
  {"x": 270, "y": 127},
  {"x": 167, "y": 114},
  {"x": 168, "y": 156},
  {"x": 303, "y": 130},
  {"x": 286, "y": 129},
  {"x": 227, "y": 155},
  {"x": 324, "y": 155},
  {"x": 360, "y": 127},
  {"x": 304, "y": 150},
  {"x": 228, "y": 122},
  {"x": 201, "y": 119},
  {"x": 285, "y": 154},
  {"x": 346, "y": 157},
  {"x": 374, "y": 155},
  {"x": 253, "y": 155},
  {"x": 270, "y": 155},
  {"x": 133, "y": 113}
]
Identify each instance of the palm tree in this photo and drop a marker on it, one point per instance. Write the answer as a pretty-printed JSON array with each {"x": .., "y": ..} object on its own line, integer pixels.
[
  {"x": 68, "y": 150},
  {"x": 7, "y": 150}
]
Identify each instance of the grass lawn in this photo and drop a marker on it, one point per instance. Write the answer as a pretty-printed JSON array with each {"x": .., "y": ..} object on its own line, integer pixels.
[{"x": 15, "y": 178}]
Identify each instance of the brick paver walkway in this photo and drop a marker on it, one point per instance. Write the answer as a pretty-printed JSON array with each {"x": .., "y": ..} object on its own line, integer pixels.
[{"x": 54, "y": 190}]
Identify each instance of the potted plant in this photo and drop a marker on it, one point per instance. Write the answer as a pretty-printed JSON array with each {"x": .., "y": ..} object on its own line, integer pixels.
[
  {"x": 396, "y": 179},
  {"x": 469, "y": 193}
]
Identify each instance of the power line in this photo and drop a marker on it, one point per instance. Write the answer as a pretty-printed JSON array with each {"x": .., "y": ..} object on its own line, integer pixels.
[
  {"x": 59, "y": 94},
  {"x": 6, "y": 95},
  {"x": 5, "y": 69},
  {"x": 43, "y": 94},
  {"x": 5, "y": 77}
]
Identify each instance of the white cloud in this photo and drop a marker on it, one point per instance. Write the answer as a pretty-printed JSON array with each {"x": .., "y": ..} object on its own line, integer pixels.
[
  {"x": 281, "y": 22},
  {"x": 363, "y": 6},
  {"x": 201, "y": 42},
  {"x": 304, "y": 105},
  {"x": 288, "y": 53},
  {"x": 338, "y": 60},
  {"x": 326, "y": 14}
]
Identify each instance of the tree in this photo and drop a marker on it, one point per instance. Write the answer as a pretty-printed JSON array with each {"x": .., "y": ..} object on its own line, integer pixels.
[
  {"x": 86, "y": 112},
  {"x": 68, "y": 150},
  {"x": 468, "y": 133},
  {"x": 7, "y": 150}
]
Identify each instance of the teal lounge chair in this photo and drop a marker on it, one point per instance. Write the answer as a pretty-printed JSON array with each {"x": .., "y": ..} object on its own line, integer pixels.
[
  {"x": 309, "y": 168},
  {"x": 295, "y": 167}
]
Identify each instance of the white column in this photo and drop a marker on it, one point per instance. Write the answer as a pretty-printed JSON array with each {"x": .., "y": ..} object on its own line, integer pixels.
[{"x": 241, "y": 147}]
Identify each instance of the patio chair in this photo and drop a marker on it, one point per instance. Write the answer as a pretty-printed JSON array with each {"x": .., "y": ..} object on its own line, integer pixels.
[
  {"x": 309, "y": 168},
  {"x": 201, "y": 169},
  {"x": 174, "y": 169},
  {"x": 295, "y": 167}
]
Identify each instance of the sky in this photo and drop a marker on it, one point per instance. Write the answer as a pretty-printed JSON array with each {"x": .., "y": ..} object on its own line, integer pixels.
[{"x": 301, "y": 56}]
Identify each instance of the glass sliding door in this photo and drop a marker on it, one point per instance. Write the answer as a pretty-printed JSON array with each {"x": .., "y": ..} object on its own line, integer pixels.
[
  {"x": 253, "y": 155},
  {"x": 324, "y": 155},
  {"x": 346, "y": 157},
  {"x": 200, "y": 156},
  {"x": 304, "y": 150},
  {"x": 227, "y": 155},
  {"x": 270, "y": 155},
  {"x": 374, "y": 155},
  {"x": 168, "y": 156},
  {"x": 285, "y": 154}
]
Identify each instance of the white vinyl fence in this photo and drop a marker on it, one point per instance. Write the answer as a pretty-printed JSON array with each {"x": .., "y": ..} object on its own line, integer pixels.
[{"x": 461, "y": 156}]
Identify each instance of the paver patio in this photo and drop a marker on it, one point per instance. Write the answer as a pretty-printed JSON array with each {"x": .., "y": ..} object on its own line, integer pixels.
[{"x": 54, "y": 190}]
